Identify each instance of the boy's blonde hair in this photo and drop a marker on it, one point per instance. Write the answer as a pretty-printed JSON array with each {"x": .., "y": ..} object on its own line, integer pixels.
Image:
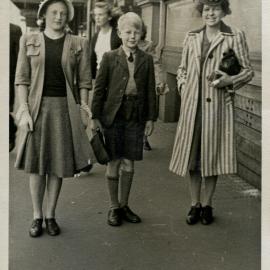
[{"x": 130, "y": 18}]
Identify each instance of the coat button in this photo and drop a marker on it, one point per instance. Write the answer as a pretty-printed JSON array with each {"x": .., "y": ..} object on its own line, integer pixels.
[
  {"x": 124, "y": 78},
  {"x": 208, "y": 99}
]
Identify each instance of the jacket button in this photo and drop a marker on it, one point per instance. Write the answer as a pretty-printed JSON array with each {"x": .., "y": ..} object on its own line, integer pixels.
[
  {"x": 210, "y": 56},
  {"x": 124, "y": 78},
  {"x": 208, "y": 99}
]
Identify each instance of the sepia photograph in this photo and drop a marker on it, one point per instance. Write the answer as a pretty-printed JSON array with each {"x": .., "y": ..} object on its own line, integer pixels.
[{"x": 136, "y": 135}]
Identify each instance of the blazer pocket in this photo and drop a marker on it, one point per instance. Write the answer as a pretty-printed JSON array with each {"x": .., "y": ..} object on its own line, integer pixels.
[{"x": 32, "y": 48}]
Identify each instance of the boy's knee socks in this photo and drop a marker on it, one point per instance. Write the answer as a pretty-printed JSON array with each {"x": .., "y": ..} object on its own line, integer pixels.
[
  {"x": 125, "y": 186},
  {"x": 113, "y": 183}
]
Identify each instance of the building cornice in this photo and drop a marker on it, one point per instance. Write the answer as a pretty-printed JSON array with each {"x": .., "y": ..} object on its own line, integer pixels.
[{"x": 147, "y": 2}]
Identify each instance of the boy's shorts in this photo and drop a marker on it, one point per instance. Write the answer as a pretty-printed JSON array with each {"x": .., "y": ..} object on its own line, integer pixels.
[{"x": 124, "y": 138}]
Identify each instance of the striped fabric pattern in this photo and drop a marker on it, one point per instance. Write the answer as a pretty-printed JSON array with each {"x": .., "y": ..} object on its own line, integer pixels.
[{"x": 218, "y": 153}]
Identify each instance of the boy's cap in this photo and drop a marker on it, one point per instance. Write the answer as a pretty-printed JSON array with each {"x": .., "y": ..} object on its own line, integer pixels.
[{"x": 45, "y": 3}]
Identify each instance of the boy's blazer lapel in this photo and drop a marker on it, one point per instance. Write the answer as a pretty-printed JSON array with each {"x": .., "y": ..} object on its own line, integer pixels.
[
  {"x": 139, "y": 60},
  {"x": 121, "y": 58}
]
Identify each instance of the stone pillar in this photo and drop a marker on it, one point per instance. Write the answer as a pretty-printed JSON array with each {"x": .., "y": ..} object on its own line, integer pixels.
[{"x": 150, "y": 15}]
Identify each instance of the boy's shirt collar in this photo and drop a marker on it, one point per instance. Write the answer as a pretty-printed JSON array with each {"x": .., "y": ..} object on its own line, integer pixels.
[{"x": 127, "y": 52}]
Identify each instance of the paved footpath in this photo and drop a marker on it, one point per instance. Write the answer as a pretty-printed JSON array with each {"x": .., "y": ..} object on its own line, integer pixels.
[{"x": 163, "y": 241}]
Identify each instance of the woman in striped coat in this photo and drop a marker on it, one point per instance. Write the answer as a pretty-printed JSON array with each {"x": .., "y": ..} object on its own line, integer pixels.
[{"x": 204, "y": 142}]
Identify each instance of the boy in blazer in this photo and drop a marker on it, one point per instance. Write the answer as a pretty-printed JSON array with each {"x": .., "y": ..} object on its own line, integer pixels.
[{"x": 123, "y": 106}]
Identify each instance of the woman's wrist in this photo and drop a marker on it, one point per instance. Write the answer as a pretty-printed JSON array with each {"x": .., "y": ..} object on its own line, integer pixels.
[{"x": 84, "y": 107}]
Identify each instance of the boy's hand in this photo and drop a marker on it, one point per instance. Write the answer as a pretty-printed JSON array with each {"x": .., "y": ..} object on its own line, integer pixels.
[
  {"x": 95, "y": 125},
  {"x": 149, "y": 127}
]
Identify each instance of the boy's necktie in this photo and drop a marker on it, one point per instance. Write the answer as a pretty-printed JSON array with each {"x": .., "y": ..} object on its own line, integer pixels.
[{"x": 130, "y": 58}]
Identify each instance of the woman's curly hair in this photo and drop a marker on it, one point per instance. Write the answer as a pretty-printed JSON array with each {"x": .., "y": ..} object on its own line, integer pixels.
[{"x": 225, "y": 6}]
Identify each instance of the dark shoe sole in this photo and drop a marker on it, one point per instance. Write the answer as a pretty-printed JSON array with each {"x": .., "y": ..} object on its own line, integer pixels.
[
  {"x": 207, "y": 222},
  {"x": 114, "y": 224},
  {"x": 191, "y": 223},
  {"x": 132, "y": 221},
  {"x": 53, "y": 234},
  {"x": 35, "y": 235}
]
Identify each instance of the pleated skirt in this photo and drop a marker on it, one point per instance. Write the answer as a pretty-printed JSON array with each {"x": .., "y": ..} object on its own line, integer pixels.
[{"x": 49, "y": 148}]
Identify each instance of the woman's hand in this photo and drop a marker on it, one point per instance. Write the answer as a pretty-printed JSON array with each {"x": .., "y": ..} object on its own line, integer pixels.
[
  {"x": 223, "y": 81},
  {"x": 84, "y": 118},
  {"x": 85, "y": 113},
  {"x": 95, "y": 125},
  {"x": 149, "y": 127},
  {"x": 180, "y": 87},
  {"x": 26, "y": 122}
]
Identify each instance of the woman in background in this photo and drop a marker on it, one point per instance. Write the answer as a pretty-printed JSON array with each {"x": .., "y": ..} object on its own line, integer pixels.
[
  {"x": 205, "y": 142},
  {"x": 161, "y": 85},
  {"x": 52, "y": 113},
  {"x": 106, "y": 39}
]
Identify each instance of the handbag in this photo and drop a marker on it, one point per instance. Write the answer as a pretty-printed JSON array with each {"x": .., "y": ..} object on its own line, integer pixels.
[
  {"x": 228, "y": 64},
  {"x": 99, "y": 148}
]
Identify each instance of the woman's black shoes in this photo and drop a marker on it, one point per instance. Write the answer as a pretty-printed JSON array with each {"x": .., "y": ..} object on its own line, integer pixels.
[
  {"x": 52, "y": 227},
  {"x": 207, "y": 215},
  {"x": 194, "y": 214},
  {"x": 197, "y": 212},
  {"x": 129, "y": 216},
  {"x": 36, "y": 228},
  {"x": 114, "y": 217}
]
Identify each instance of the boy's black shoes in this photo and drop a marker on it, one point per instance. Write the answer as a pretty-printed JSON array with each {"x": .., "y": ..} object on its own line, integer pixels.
[
  {"x": 194, "y": 214},
  {"x": 129, "y": 216},
  {"x": 52, "y": 227},
  {"x": 36, "y": 228},
  {"x": 207, "y": 215},
  {"x": 114, "y": 217}
]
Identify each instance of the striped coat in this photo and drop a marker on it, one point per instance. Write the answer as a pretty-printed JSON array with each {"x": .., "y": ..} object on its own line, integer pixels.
[{"x": 218, "y": 153}]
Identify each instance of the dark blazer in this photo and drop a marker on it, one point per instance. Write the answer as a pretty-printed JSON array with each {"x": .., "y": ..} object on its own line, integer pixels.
[
  {"x": 14, "y": 41},
  {"x": 115, "y": 43},
  {"x": 111, "y": 83}
]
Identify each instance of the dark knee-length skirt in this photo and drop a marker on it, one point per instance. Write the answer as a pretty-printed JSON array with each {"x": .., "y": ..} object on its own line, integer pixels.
[{"x": 49, "y": 148}]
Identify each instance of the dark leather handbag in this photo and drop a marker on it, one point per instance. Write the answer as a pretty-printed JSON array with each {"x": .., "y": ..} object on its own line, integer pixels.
[
  {"x": 99, "y": 148},
  {"x": 229, "y": 64}
]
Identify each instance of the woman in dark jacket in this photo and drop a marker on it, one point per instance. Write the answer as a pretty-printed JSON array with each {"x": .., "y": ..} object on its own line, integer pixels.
[
  {"x": 106, "y": 39},
  {"x": 52, "y": 112}
]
